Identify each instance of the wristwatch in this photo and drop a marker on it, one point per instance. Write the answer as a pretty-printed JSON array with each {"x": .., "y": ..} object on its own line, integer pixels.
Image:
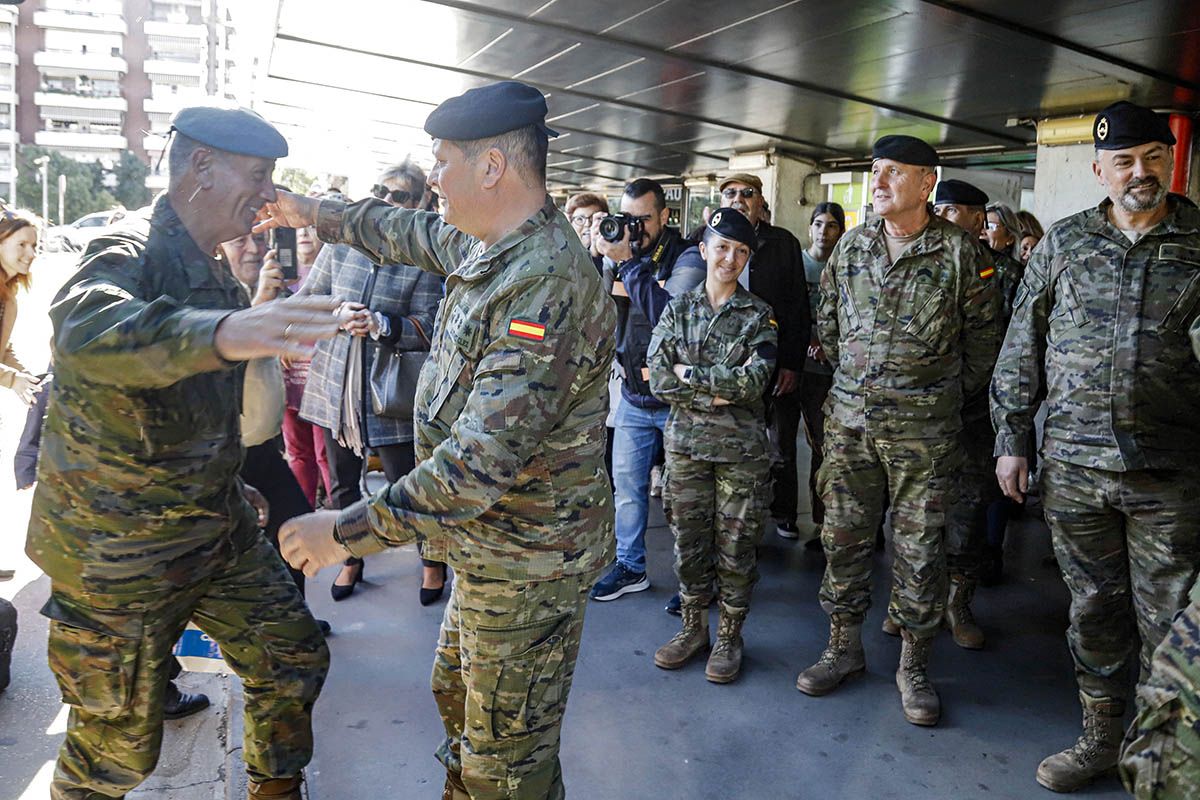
[{"x": 383, "y": 326}]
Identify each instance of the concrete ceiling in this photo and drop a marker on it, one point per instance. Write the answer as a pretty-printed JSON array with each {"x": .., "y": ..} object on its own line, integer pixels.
[{"x": 676, "y": 87}]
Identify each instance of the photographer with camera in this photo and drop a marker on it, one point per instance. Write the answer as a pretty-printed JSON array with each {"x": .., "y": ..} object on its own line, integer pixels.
[{"x": 643, "y": 260}]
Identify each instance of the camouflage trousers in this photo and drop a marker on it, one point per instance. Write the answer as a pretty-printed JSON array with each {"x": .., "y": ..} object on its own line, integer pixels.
[
  {"x": 112, "y": 655},
  {"x": 503, "y": 668},
  {"x": 917, "y": 477},
  {"x": 716, "y": 512},
  {"x": 1160, "y": 759},
  {"x": 1128, "y": 545},
  {"x": 977, "y": 488}
]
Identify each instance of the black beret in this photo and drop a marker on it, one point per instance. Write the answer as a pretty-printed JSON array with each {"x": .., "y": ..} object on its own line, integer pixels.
[
  {"x": 489, "y": 111},
  {"x": 234, "y": 130},
  {"x": 729, "y": 223},
  {"x": 1124, "y": 124},
  {"x": 906, "y": 150},
  {"x": 959, "y": 193}
]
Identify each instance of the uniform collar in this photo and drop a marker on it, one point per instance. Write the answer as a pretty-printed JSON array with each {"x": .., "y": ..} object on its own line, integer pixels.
[
  {"x": 202, "y": 269},
  {"x": 493, "y": 257},
  {"x": 1183, "y": 217},
  {"x": 931, "y": 238}
]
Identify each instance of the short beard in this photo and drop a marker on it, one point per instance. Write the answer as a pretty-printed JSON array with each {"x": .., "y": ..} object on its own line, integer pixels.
[{"x": 1130, "y": 203}]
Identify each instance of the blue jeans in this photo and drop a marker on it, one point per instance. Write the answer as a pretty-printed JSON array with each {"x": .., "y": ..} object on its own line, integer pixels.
[{"x": 637, "y": 433}]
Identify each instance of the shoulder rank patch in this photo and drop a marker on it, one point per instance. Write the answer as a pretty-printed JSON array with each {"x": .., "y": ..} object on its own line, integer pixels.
[
  {"x": 526, "y": 329},
  {"x": 987, "y": 272}
]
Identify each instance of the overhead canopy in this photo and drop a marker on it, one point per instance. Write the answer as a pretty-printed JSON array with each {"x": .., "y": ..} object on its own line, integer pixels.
[{"x": 676, "y": 87}]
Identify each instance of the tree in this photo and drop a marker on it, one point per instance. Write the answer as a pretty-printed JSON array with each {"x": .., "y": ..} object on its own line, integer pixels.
[
  {"x": 296, "y": 179},
  {"x": 85, "y": 184},
  {"x": 130, "y": 173}
]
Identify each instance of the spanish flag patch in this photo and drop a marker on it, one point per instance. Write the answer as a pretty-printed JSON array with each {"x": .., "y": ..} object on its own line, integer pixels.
[
  {"x": 987, "y": 272},
  {"x": 771, "y": 321},
  {"x": 527, "y": 330}
]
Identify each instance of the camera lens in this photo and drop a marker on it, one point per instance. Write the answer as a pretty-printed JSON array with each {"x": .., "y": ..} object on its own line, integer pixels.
[{"x": 612, "y": 228}]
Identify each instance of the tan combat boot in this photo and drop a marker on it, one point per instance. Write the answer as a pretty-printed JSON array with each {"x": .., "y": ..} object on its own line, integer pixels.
[
  {"x": 276, "y": 789},
  {"x": 959, "y": 619},
  {"x": 843, "y": 658},
  {"x": 917, "y": 695},
  {"x": 725, "y": 661},
  {"x": 1096, "y": 751},
  {"x": 691, "y": 641},
  {"x": 890, "y": 626}
]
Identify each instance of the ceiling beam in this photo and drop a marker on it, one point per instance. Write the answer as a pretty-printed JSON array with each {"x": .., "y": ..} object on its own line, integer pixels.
[
  {"x": 616, "y": 162},
  {"x": 813, "y": 148},
  {"x": 610, "y": 41},
  {"x": 1065, "y": 44}
]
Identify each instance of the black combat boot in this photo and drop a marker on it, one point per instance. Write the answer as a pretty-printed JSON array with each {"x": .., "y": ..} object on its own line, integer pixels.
[{"x": 181, "y": 704}]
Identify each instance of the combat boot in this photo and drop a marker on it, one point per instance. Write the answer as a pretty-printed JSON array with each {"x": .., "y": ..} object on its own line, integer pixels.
[
  {"x": 454, "y": 790},
  {"x": 725, "y": 661},
  {"x": 842, "y": 659},
  {"x": 276, "y": 789},
  {"x": 959, "y": 619},
  {"x": 890, "y": 626},
  {"x": 691, "y": 640},
  {"x": 917, "y": 695},
  {"x": 1096, "y": 751}
]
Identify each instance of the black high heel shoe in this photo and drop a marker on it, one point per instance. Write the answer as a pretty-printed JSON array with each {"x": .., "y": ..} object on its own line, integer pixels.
[
  {"x": 431, "y": 596},
  {"x": 339, "y": 591}
]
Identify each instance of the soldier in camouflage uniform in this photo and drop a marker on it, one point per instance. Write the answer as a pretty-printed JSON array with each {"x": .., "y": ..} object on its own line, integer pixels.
[
  {"x": 908, "y": 321},
  {"x": 510, "y": 488},
  {"x": 710, "y": 358},
  {"x": 966, "y": 520},
  {"x": 1102, "y": 315},
  {"x": 139, "y": 518}
]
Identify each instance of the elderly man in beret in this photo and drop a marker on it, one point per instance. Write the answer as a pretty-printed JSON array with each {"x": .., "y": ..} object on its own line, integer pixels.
[
  {"x": 509, "y": 488},
  {"x": 139, "y": 518},
  {"x": 1100, "y": 335},
  {"x": 908, "y": 320}
]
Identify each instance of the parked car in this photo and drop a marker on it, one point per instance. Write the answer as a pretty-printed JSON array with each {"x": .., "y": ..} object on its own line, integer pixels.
[{"x": 77, "y": 234}]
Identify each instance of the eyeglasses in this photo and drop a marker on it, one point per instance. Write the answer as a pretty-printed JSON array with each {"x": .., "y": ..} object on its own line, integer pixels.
[
  {"x": 730, "y": 194},
  {"x": 581, "y": 219},
  {"x": 397, "y": 196}
]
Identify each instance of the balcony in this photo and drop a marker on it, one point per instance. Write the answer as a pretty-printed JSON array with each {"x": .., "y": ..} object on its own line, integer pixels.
[
  {"x": 90, "y": 102},
  {"x": 94, "y": 64},
  {"x": 80, "y": 21},
  {"x": 158, "y": 67},
  {"x": 80, "y": 140},
  {"x": 103, "y": 8},
  {"x": 177, "y": 30}
]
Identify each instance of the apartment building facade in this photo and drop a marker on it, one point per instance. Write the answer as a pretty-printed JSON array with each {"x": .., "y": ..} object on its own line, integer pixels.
[{"x": 96, "y": 77}]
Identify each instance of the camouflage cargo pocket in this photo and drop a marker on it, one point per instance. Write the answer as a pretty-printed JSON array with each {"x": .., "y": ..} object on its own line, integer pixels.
[
  {"x": 1161, "y": 754},
  {"x": 94, "y": 655},
  {"x": 529, "y": 693}
]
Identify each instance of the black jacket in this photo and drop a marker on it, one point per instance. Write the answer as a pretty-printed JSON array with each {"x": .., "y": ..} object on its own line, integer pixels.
[{"x": 777, "y": 276}]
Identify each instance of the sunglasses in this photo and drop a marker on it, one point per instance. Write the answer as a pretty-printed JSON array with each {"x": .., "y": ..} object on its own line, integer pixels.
[
  {"x": 746, "y": 193},
  {"x": 397, "y": 196}
]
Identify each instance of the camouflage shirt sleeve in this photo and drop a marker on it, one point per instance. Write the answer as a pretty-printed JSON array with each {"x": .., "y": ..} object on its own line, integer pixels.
[
  {"x": 742, "y": 383},
  {"x": 104, "y": 329},
  {"x": 389, "y": 235},
  {"x": 981, "y": 323},
  {"x": 1018, "y": 383},
  {"x": 520, "y": 390},
  {"x": 663, "y": 355},
  {"x": 827, "y": 307}
]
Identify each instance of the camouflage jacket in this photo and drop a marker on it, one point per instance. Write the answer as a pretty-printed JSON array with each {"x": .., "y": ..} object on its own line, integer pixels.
[
  {"x": 908, "y": 340},
  {"x": 1100, "y": 333},
  {"x": 138, "y": 487},
  {"x": 510, "y": 405},
  {"x": 732, "y": 354}
]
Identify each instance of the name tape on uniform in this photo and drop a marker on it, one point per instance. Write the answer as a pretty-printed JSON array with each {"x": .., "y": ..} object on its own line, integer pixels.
[{"x": 527, "y": 330}]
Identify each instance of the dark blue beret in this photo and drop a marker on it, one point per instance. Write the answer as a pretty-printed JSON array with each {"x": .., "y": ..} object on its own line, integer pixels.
[
  {"x": 489, "y": 111},
  {"x": 234, "y": 130},
  {"x": 906, "y": 150},
  {"x": 1124, "y": 124},
  {"x": 729, "y": 223},
  {"x": 959, "y": 193}
]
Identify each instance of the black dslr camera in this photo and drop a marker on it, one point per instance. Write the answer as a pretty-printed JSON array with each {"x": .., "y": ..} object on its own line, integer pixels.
[{"x": 612, "y": 228}]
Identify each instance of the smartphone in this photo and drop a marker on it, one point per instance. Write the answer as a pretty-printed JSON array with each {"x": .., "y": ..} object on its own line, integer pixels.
[{"x": 283, "y": 242}]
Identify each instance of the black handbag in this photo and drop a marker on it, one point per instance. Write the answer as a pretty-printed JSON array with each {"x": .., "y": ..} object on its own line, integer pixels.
[{"x": 394, "y": 375}]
